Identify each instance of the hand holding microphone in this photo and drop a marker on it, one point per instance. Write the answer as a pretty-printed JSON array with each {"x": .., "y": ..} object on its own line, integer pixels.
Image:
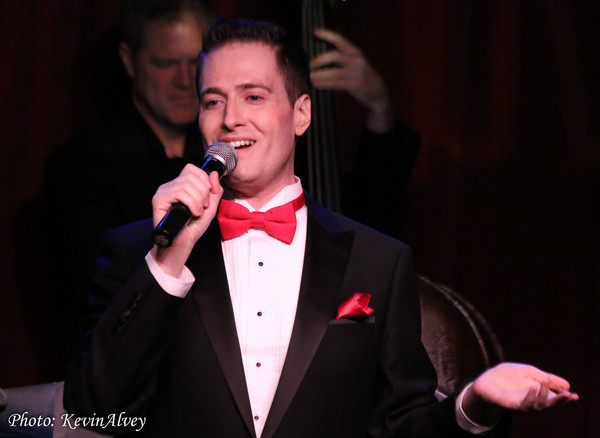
[{"x": 219, "y": 157}]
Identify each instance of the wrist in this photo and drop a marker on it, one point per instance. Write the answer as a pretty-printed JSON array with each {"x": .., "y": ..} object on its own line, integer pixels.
[
  {"x": 380, "y": 120},
  {"x": 170, "y": 260},
  {"x": 477, "y": 410}
]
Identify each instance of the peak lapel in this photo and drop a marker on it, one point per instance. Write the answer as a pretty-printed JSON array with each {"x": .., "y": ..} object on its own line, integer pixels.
[
  {"x": 326, "y": 256},
  {"x": 210, "y": 294}
]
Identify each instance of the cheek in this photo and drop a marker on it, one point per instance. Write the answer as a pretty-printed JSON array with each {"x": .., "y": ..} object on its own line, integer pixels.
[
  {"x": 287, "y": 128},
  {"x": 150, "y": 88},
  {"x": 208, "y": 124},
  {"x": 162, "y": 81},
  {"x": 157, "y": 81},
  {"x": 279, "y": 124}
]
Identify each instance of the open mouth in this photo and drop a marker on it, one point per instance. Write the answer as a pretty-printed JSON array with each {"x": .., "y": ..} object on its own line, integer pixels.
[{"x": 241, "y": 144}]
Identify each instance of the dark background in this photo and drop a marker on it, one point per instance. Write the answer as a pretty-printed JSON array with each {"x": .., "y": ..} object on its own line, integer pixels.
[{"x": 503, "y": 202}]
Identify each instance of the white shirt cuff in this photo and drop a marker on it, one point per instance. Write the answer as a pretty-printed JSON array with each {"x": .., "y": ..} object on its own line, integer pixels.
[
  {"x": 461, "y": 418},
  {"x": 177, "y": 286}
]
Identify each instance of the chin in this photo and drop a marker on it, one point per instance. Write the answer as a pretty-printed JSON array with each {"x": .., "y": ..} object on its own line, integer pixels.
[{"x": 240, "y": 181}]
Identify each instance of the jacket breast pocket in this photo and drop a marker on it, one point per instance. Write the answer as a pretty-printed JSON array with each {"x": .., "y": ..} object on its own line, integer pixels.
[
  {"x": 347, "y": 358},
  {"x": 354, "y": 321}
]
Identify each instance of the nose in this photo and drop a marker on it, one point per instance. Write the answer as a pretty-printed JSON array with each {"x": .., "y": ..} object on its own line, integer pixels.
[
  {"x": 233, "y": 115},
  {"x": 186, "y": 75}
]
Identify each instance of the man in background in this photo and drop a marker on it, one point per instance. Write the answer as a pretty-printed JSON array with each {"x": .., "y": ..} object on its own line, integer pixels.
[{"x": 106, "y": 176}]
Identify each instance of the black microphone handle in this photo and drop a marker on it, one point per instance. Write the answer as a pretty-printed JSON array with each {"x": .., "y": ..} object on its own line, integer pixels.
[{"x": 179, "y": 214}]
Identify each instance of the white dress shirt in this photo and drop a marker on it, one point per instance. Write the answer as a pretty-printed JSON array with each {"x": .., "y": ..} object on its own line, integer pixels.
[
  {"x": 264, "y": 281},
  {"x": 264, "y": 276}
]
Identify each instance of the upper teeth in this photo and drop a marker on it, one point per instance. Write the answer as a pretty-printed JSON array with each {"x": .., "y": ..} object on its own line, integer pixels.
[{"x": 237, "y": 144}]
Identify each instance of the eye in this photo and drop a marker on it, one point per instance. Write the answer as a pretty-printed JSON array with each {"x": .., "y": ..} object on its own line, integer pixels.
[
  {"x": 254, "y": 98},
  {"x": 210, "y": 103},
  {"x": 163, "y": 63}
]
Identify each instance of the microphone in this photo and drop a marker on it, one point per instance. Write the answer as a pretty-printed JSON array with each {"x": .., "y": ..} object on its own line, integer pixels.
[{"x": 218, "y": 157}]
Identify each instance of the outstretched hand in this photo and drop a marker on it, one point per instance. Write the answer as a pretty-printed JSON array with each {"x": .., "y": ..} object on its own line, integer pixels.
[
  {"x": 522, "y": 387},
  {"x": 345, "y": 68},
  {"x": 517, "y": 387}
]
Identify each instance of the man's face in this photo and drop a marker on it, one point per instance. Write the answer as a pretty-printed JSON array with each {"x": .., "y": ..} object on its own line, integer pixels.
[
  {"x": 243, "y": 101},
  {"x": 163, "y": 71}
]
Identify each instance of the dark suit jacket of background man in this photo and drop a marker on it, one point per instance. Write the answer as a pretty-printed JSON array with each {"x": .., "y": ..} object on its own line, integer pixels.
[
  {"x": 178, "y": 362},
  {"x": 103, "y": 178}
]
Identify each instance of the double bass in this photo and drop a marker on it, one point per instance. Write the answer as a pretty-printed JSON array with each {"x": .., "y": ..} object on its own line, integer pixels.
[{"x": 322, "y": 177}]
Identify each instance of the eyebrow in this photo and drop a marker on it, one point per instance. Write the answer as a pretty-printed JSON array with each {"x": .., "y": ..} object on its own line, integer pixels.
[
  {"x": 244, "y": 86},
  {"x": 251, "y": 85},
  {"x": 212, "y": 90}
]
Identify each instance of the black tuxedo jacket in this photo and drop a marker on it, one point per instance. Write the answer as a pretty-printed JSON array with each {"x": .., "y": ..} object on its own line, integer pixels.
[{"x": 178, "y": 362}]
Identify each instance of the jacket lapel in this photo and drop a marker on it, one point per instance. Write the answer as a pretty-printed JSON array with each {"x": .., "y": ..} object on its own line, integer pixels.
[
  {"x": 326, "y": 255},
  {"x": 210, "y": 294}
]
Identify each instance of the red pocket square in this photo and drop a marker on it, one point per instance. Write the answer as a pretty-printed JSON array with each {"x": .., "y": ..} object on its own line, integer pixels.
[{"x": 357, "y": 305}]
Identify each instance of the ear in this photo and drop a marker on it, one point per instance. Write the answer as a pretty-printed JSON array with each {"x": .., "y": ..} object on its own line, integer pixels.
[
  {"x": 302, "y": 114},
  {"x": 127, "y": 57}
]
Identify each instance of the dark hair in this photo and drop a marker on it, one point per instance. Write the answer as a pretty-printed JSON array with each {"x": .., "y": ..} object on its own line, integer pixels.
[
  {"x": 291, "y": 57},
  {"x": 135, "y": 15}
]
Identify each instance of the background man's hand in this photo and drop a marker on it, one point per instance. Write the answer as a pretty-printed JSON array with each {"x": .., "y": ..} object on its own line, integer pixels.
[{"x": 345, "y": 68}]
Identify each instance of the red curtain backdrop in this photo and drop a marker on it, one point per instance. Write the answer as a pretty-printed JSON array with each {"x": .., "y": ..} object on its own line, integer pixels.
[{"x": 503, "y": 202}]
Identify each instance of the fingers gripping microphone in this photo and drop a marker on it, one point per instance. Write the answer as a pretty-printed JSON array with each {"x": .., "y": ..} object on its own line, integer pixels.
[{"x": 219, "y": 157}]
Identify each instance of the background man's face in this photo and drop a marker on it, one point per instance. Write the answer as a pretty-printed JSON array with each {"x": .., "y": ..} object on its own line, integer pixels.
[{"x": 163, "y": 71}]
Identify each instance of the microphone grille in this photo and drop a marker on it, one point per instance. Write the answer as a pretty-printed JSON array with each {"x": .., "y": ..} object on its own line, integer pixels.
[{"x": 225, "y": 154}]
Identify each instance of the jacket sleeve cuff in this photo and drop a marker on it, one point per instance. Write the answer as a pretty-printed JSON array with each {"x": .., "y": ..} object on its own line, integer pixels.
[{"x": 463, "y": 420}]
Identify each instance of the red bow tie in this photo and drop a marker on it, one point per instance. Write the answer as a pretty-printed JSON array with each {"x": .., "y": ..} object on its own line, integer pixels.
[{"x": 279, "y": 222}]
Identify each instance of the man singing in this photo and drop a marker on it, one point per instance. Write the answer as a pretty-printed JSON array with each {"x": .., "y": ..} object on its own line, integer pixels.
[{"x": 248, "y": 332}]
